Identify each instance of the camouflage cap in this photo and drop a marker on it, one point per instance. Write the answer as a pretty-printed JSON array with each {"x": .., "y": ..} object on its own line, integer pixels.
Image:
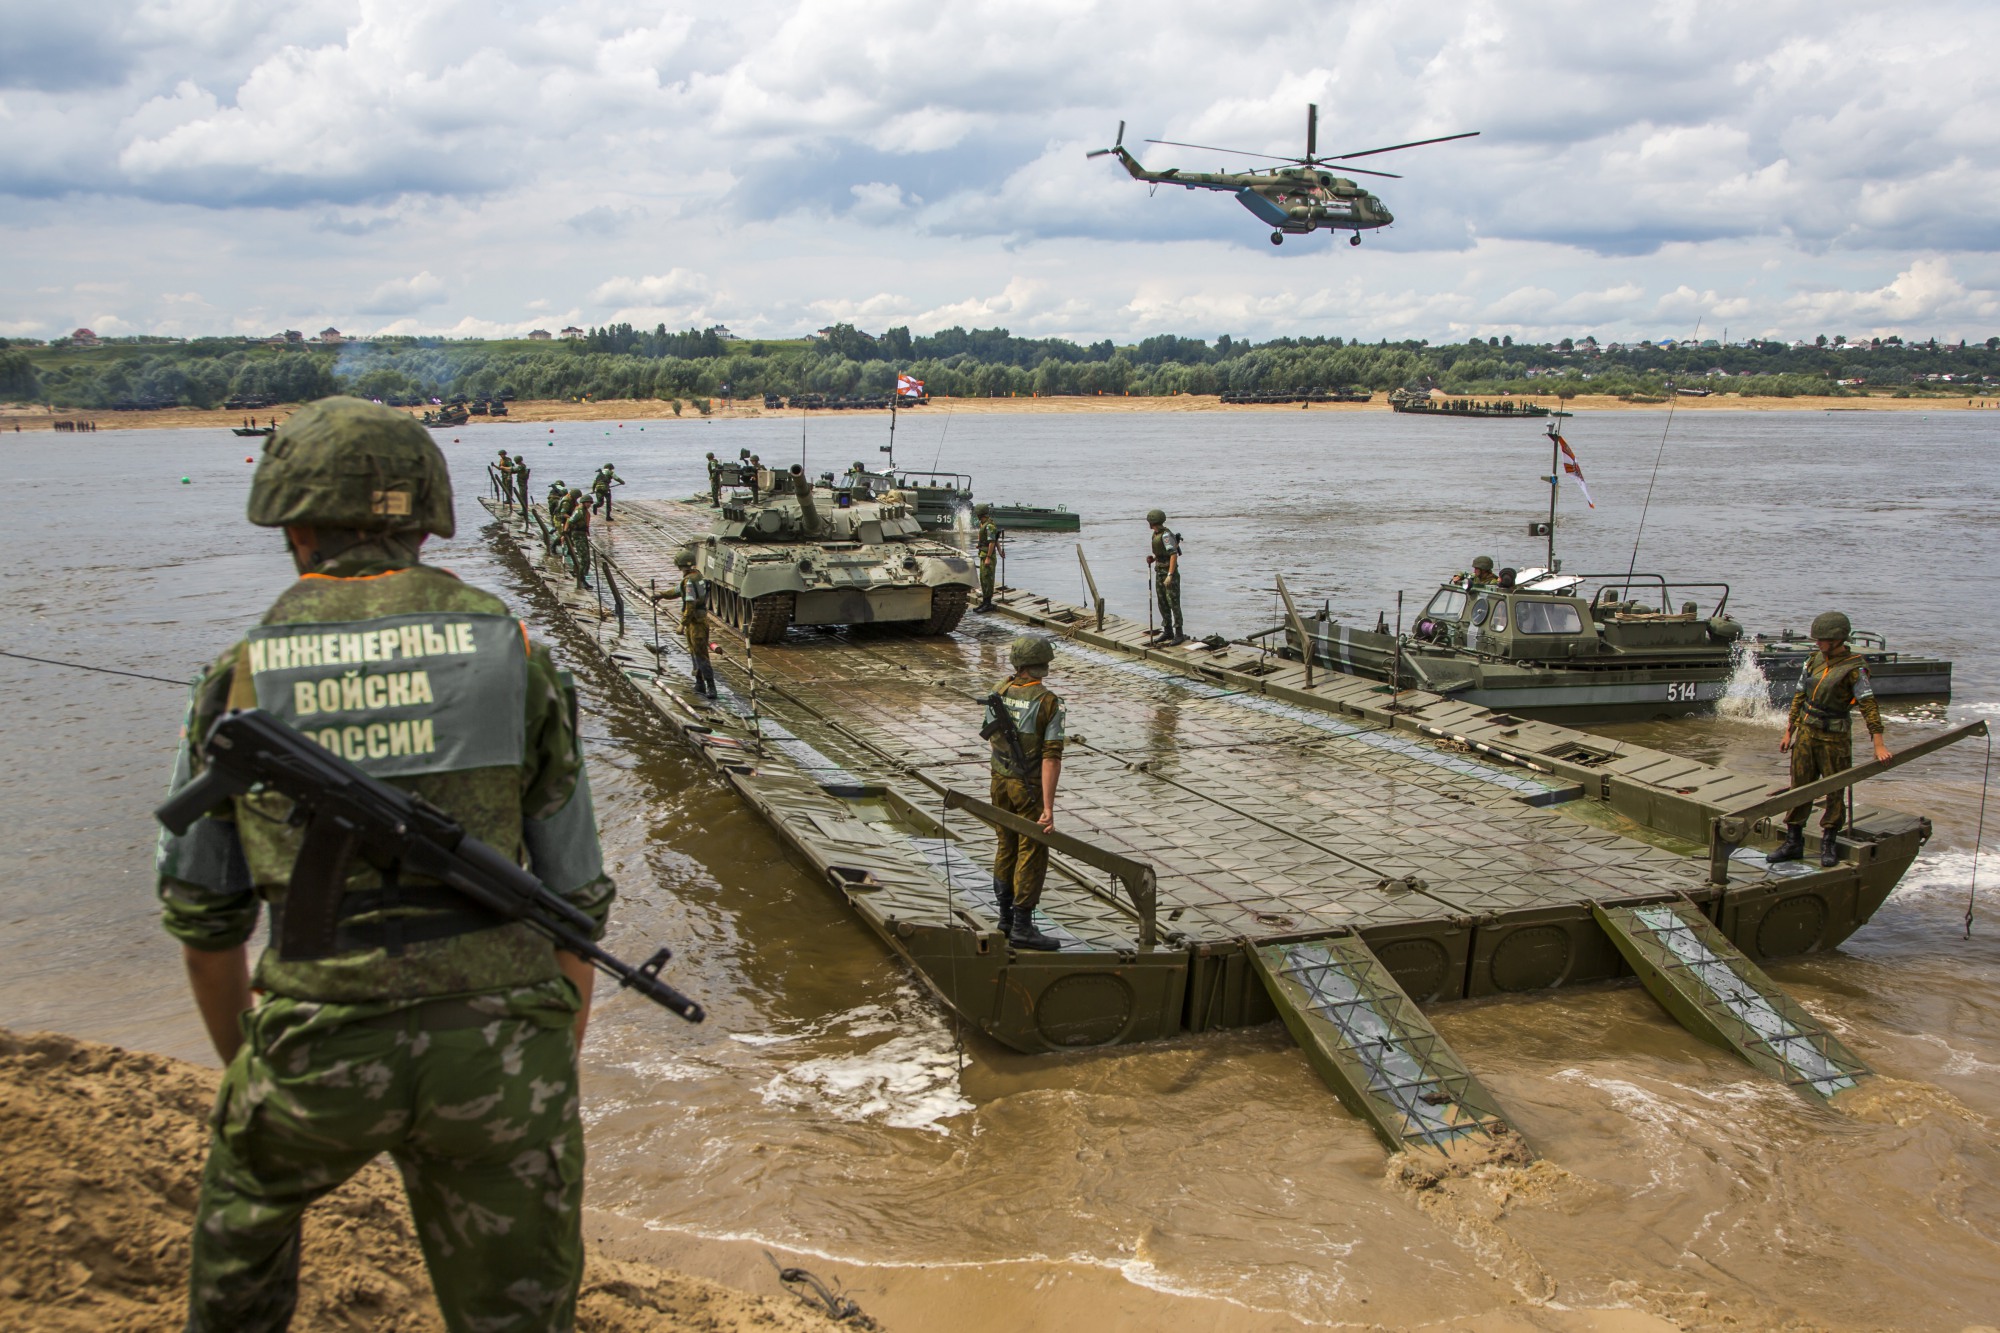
[
  {"x": 1156, "y": 517},
  {"x": 345, "y": 463},
  {"x": 1483, "y": 563},
  {"x": 1031, "y": 650},
  {"x": 1831, "y": 625}
]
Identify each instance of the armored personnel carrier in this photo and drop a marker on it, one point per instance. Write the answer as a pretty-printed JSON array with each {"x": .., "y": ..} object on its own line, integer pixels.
[
  {"x": 1584, "y": 647},
  {"x": 806, "y": 555}
]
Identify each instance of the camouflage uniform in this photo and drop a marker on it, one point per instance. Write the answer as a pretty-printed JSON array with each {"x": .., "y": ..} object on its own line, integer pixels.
[
  {"x": 989, "y": 558},
  {"x": 1039, "y": 716},
  {"x": 1822, "y": 731},
  {"x": 600, "y": 489},
  {"x": 714, "y": 481},
  {"x": 433, "y": 1033},
  {"x": 693, "y": 594},
  {"x": 504, "y": 473},
  {"x": 1167, "y": 581},
  {"x": 576, "y": 536}
]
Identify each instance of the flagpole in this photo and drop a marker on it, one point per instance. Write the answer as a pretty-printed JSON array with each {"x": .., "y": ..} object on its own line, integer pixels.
[{"x": 1555, "y": 478}]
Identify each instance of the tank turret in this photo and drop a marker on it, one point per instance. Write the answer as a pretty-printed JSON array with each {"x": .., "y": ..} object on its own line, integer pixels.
[{"x": 818, "y": 555}]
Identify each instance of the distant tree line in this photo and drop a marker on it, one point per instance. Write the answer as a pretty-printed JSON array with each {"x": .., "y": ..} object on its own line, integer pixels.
[{"x": 622, "y": 362}]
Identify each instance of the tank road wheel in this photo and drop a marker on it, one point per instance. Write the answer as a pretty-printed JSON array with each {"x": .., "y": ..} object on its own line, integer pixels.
[
  {"x": 770, "y": 616},
  {"x": 1277, "y": 238},
  {"x": 947, "y": 608}
]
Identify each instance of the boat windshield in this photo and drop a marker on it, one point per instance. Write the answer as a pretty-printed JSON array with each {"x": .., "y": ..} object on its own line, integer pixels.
[
  {"x": 1546, "y": 618},
  {"x": 1446, "y": 605}
]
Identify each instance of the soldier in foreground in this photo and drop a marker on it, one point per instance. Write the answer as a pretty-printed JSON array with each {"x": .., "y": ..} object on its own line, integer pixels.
[
  {"x": 989, "y": 554},
  {"x": 1025, "y": 724},
  {"x": 1166, "y": 562},
  {"x": 693, "y": 594},
  {"x": 433, "y": 1032},
  {"x": 1819, "y": 733}
]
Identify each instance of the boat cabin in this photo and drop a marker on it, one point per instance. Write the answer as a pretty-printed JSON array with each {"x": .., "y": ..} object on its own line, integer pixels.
[{"x": 1547, "y": 615}]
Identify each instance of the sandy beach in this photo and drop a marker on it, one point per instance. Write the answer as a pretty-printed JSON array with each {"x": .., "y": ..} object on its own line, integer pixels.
[{"x": 22, "y": 418}]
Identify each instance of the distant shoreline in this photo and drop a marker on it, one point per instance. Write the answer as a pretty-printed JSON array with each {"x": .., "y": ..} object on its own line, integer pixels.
[{"x": 652, "y": 409}]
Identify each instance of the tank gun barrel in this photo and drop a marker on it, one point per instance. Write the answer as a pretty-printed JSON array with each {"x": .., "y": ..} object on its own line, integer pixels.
[{"x": 802, "y": 488}]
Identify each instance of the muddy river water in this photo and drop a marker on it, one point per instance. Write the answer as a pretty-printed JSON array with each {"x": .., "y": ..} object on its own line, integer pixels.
[{"x": 827, "y": 1108}]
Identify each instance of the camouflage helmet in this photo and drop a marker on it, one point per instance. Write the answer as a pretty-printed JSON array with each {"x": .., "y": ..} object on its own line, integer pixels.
[
  {"x": 345, "y": 463},
  {"x": 684, "y": 559},
  {"x": 982, "y": 509},
  {"x": 1155, "y": 517},
  {"x": 1031, "y": 650},
  {"x": 711, "y": 453},
  {"x": 1483, "y": 563},
  {"x": 1831, "y": 625}
]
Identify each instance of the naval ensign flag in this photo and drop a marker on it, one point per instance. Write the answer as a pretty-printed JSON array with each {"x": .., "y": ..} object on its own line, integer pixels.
[{"x": 1574, "y": 469}]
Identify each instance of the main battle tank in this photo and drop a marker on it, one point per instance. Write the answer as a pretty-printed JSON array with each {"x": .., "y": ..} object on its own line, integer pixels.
[{"x": 830, "y": 556}]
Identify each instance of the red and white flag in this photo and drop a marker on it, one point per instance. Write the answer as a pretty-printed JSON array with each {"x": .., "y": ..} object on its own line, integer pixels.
[
  {"x": 909, "y": 386},
  {"x": 1574, "y": 469}
]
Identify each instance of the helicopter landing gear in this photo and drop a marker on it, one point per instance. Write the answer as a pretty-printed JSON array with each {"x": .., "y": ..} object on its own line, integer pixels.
[
  {"x": 1355, "y": 239},
  {"x": 1277, "y": 238}
]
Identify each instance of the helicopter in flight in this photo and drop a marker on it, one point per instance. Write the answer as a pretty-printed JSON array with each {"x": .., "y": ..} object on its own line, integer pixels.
[{"x": 1297, "y": 199}]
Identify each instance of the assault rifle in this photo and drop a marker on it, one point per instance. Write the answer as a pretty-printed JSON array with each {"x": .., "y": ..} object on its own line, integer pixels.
[
  {"x": 346, "y": 812},
  {"x": 1003, "y": 722}
]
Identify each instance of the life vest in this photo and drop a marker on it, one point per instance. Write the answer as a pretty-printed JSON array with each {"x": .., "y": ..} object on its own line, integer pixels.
[{"x": 1830, "y": 690}]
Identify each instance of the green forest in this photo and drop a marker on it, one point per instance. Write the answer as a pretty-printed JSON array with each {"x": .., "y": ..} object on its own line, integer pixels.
[{"x": 621, "y": 362}]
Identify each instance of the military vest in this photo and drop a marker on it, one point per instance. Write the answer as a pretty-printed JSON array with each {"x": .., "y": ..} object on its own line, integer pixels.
[
  {"x": 989, "y": 539},
  {"x": 1038, "y": 716},
  {"x": 694, "y": 597},
  {"x": 1166, "y": 545},
  {"x": 1830, "y": 690},
  {"x": 420, "y": 680}
]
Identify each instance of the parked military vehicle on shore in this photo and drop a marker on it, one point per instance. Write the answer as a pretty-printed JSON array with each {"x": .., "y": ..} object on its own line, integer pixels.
[{"x": 806, "y": 555}]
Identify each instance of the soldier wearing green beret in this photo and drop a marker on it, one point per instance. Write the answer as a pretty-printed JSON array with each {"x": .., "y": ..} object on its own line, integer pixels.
[
  {"x": 989, "y": 554},
  {"x": 1025, "y": 725},
  {"x": 435, "y": 1032},
  {"x": 1819, "y": 732},
  {"x": 1166, "y": 563}
]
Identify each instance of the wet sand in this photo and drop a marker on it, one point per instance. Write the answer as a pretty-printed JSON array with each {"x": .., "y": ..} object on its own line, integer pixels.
[{"x": 652, "y": 409}]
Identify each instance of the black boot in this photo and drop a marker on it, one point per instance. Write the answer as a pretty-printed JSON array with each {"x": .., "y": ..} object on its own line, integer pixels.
[
  {"x": 1003, "y": 897},
  {"x": 1025, "y": 935},
  {"x": 1793, "y": 848},
  {"x": 1829, "y": 848}
]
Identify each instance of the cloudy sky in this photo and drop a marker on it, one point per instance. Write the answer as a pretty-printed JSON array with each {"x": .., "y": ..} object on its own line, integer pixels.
[{"x": 483, "y": 168}]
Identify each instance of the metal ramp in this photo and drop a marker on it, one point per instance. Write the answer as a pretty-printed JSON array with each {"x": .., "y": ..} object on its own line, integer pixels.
[
  {"x": 1374, "y": 1048},
  {"x": 1718, "y": 994}
]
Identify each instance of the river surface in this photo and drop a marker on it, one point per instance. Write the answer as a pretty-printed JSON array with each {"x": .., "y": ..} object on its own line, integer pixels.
[{"x": 829, "y": 1109}]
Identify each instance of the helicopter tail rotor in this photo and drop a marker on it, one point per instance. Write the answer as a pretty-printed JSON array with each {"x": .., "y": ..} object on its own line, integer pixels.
[
  {"x": 1116, "y": 144},
  {"x": 1312, "y": 129}
]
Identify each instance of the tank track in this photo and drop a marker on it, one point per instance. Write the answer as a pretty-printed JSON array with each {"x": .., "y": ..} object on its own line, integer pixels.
[
  {"x": 948, "y": 605},
  {"x": 770, "y": 617}
]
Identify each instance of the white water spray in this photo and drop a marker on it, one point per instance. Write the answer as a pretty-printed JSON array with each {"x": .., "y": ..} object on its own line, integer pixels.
[{"x": 1746, "y": 696}]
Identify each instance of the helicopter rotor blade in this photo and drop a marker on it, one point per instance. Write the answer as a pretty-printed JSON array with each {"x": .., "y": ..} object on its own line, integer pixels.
[
  {"x": 1398, "y": 147},
  {"x": 1210, "y": 148},
  {"x": 1116, "y": 144},
  {"x": 1358, "y": 171},
  {"x": 1312, "y": 129}
]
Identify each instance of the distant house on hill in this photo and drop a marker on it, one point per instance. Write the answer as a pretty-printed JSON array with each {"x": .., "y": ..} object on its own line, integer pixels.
[
  {"x": 83, "y": 338},
  {"x": 330, "y": 334},
  {"x": 538, "y": 335},
  {"x": 722, "y": 331},
  {"x": 572, "y": 332}
]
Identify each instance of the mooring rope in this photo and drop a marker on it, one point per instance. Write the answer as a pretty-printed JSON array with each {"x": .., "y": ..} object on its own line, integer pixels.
[{"x": 84, "y": 666}]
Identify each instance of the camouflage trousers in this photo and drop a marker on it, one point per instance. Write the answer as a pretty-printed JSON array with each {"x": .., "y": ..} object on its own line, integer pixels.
[
  {"x": 1019, "y": 861},
  {"x": 603, "y": 501},
  {"x": 694, "y": 633},
  {"x": 480, "y": 1120},
  {"x": 987, "y": 568},
  {"x": 1815, "y": 755},
  {"x": 577, "y": 555},
  {"x": 1168, "y": 588}
]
